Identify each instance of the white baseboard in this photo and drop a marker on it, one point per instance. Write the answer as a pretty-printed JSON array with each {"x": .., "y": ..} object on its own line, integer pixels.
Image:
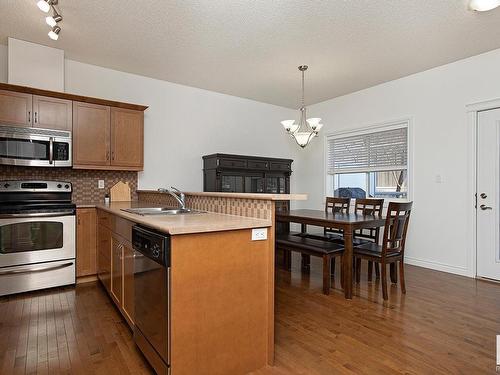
[{"x": 463, "y": 271}]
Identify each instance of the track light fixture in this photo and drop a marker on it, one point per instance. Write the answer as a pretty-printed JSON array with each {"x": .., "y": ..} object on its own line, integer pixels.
[
  {"x": 54, "y": 33},
  {"x": 45, "y": 6}
]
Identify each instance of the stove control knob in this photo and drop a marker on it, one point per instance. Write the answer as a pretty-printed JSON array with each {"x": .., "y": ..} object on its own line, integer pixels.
[
  {"x": 6, "y": 185},
  {"x": 59, "y": 186},
  {"x": 66, "y": 186}
]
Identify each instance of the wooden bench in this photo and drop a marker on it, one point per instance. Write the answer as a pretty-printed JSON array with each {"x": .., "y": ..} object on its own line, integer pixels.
[{"x": 315, "y": 246}]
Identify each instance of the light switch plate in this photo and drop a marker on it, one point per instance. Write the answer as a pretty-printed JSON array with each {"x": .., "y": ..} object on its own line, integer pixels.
[
  {"x": 259, "y": 234},
  {"x": 100, "y": 184}
]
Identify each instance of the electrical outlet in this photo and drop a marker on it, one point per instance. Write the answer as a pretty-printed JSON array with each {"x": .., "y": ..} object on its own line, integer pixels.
[
  {"x": 259, "y": 234},
  {"x": 100, "y": 184}
]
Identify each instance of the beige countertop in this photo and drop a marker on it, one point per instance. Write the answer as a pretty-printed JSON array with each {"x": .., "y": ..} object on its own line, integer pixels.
[
  {"x": 263, "y": 196},
  {"x": 180, "y": 224}
]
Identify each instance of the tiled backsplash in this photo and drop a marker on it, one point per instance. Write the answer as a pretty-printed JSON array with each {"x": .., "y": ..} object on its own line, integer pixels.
[
  {"x": 84, "y": 181},
  {"x": 258, "y": 208}
]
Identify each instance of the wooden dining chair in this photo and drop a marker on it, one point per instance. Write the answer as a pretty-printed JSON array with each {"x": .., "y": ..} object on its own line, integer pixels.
[
  {"x": 368, "y": 206},
  {"x": 334, "y": 205},
  {"x": 393, "y": 244}
]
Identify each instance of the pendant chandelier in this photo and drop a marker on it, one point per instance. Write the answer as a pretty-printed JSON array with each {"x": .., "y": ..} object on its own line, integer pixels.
[{"x": 307, "y": 128}]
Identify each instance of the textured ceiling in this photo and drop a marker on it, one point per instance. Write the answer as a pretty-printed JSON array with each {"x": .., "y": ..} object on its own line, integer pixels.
[{"x": 252, "y": 48}]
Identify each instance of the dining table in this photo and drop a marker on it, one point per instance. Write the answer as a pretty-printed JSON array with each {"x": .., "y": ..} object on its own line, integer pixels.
[{"x": 348, "y": 223}]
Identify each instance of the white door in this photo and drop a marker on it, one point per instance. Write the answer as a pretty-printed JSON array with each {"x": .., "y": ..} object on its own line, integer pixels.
[{"x": 488, "y": 223}]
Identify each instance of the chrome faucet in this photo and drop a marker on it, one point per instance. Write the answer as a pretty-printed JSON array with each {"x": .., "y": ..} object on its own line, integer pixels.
[{"x": 179, "y": 197}]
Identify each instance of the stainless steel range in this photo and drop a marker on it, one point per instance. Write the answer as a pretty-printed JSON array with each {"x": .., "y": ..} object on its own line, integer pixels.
[{"x": 37, "y": 235}]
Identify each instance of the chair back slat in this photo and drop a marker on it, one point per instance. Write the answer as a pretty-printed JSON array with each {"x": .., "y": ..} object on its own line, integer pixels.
[
  {"x": 336, "y": 205},
  {"x": 368, "y": 206},
  {"x": 396, "y": 227}
]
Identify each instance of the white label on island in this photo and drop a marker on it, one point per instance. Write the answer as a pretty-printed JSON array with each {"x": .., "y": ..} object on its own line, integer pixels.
[{"x": 259, "y": 234}]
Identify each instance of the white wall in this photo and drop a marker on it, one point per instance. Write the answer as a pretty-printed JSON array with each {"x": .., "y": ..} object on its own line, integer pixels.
[
  {"x": 440, "y": 230},
  {"x": 183, "y": 123}
]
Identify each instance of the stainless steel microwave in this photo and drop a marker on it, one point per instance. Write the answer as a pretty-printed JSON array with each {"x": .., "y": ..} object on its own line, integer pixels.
[{"x": 35, "y": 147}]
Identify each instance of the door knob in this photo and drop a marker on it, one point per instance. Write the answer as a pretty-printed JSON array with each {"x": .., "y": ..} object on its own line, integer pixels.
[
  {"x": 483, "y": 195},
  {"x": 484, "y": 207}
]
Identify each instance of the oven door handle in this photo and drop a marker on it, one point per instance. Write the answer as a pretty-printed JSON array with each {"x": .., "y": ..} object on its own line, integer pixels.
[
  {"x": 39, "y": 214},
  {"x": 31, "y": 269},
  {"x": 51, "y": 150}
]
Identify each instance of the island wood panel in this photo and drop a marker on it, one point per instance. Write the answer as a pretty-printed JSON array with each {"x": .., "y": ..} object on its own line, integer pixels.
[
  {"x": 86, "y": 242},
  {"x": 127, "y": 138},
  {"x": 52, "y": 113},
  {"x": 15, "y": 108},
  {"x": 220, "y": 303},
  {"x": 91, "y": 128}
]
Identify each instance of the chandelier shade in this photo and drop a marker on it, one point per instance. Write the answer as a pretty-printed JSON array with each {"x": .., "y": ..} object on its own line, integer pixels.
[{"x": 307, "y": 128}]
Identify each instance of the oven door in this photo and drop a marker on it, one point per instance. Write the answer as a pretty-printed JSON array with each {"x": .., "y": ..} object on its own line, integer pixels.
[
  {"x": 35, "y": 147},
  {"x": 36, "y": 238}
]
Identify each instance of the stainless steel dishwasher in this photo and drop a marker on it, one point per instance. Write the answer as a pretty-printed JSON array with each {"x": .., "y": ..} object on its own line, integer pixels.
[{"x": 152, "y": 296}]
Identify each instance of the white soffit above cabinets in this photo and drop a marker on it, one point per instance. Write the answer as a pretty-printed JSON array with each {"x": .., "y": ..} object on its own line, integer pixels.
[
  {"x": 35, "y": 65},
  {"x": 252, "y": 49}
]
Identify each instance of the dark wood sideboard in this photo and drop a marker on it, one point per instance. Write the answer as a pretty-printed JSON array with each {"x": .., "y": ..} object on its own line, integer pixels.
[{"x": 246, "y": 174}]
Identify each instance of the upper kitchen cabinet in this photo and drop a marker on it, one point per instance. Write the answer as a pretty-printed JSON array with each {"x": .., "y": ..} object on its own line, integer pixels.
[
  {"x": 52, "y": 113},
  {"x": 91, "y": 129},
  {"x": 106, "y": 134},
  {"x": 107, "y": 137},
  {"x": 20, "y": 109},
  {"x": 15, "y": 108},
  {"x": 127, "y": 138}
]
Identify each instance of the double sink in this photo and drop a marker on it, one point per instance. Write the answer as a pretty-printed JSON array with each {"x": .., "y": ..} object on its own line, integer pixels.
[{"x": 148, "y": 211}]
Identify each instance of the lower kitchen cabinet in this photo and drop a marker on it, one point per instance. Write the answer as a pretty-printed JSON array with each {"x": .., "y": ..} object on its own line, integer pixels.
[
  {"x": 116, "y": 262},
  {"x": 116, "y": 270},
  {"x": 86, "y": 225},
  {"x": 104, "y": 257},
  {"x": 128, "y": 282}
]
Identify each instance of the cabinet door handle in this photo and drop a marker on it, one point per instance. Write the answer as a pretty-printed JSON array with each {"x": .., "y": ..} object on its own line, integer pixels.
[
  {"x": 36, "y": 117},
  {"x": 29, "y": 117},
  {"x": 107, "y": 155},
  {"x": 113, "y": 155}
]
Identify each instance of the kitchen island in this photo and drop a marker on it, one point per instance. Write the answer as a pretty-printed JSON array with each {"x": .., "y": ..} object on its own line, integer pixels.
[{"x": 221, "y": 294}]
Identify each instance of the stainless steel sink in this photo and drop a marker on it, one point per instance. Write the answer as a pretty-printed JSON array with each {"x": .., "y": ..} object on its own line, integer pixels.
[{"x": 146, "y": 211}]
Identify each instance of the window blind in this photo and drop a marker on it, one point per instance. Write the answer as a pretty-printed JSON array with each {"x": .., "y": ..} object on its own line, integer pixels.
[{"x": 368, "y": 152}]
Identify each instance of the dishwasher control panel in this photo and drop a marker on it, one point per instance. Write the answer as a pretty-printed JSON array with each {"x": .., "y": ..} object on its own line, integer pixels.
[{"x": 152, "y": 244}]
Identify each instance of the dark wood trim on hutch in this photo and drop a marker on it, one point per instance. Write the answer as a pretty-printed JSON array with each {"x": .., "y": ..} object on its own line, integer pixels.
[
  {"x": 76, "y": 98},
  {"x": 243, "y": 168}
]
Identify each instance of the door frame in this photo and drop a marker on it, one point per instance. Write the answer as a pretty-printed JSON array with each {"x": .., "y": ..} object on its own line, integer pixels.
[{"x": 472, "y": 125}]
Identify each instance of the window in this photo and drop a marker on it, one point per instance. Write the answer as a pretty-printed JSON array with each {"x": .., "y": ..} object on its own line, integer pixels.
[{"x": 369, "y": 163}]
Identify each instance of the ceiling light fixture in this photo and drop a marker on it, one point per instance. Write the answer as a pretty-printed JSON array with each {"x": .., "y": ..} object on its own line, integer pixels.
[
  {"x": 307, "y": 128},
  {"x": 54, "y": 19},
  {"x": 483, "y": 5},
  {"x": 54, "y": 33},
  {"x": 44, "y": 5}
]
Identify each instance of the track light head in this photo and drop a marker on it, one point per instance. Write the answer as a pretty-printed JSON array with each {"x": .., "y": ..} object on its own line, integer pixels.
[
  {"x": 54, "y": 33},
  {"x": 53, "y": 20},
  {"x": 44, "y": 5}
]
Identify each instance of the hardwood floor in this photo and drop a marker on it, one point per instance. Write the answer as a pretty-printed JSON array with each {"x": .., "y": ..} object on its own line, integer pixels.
[
  {"x": 66, "y": 331},
  {"x": 445, "y": 324}
]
